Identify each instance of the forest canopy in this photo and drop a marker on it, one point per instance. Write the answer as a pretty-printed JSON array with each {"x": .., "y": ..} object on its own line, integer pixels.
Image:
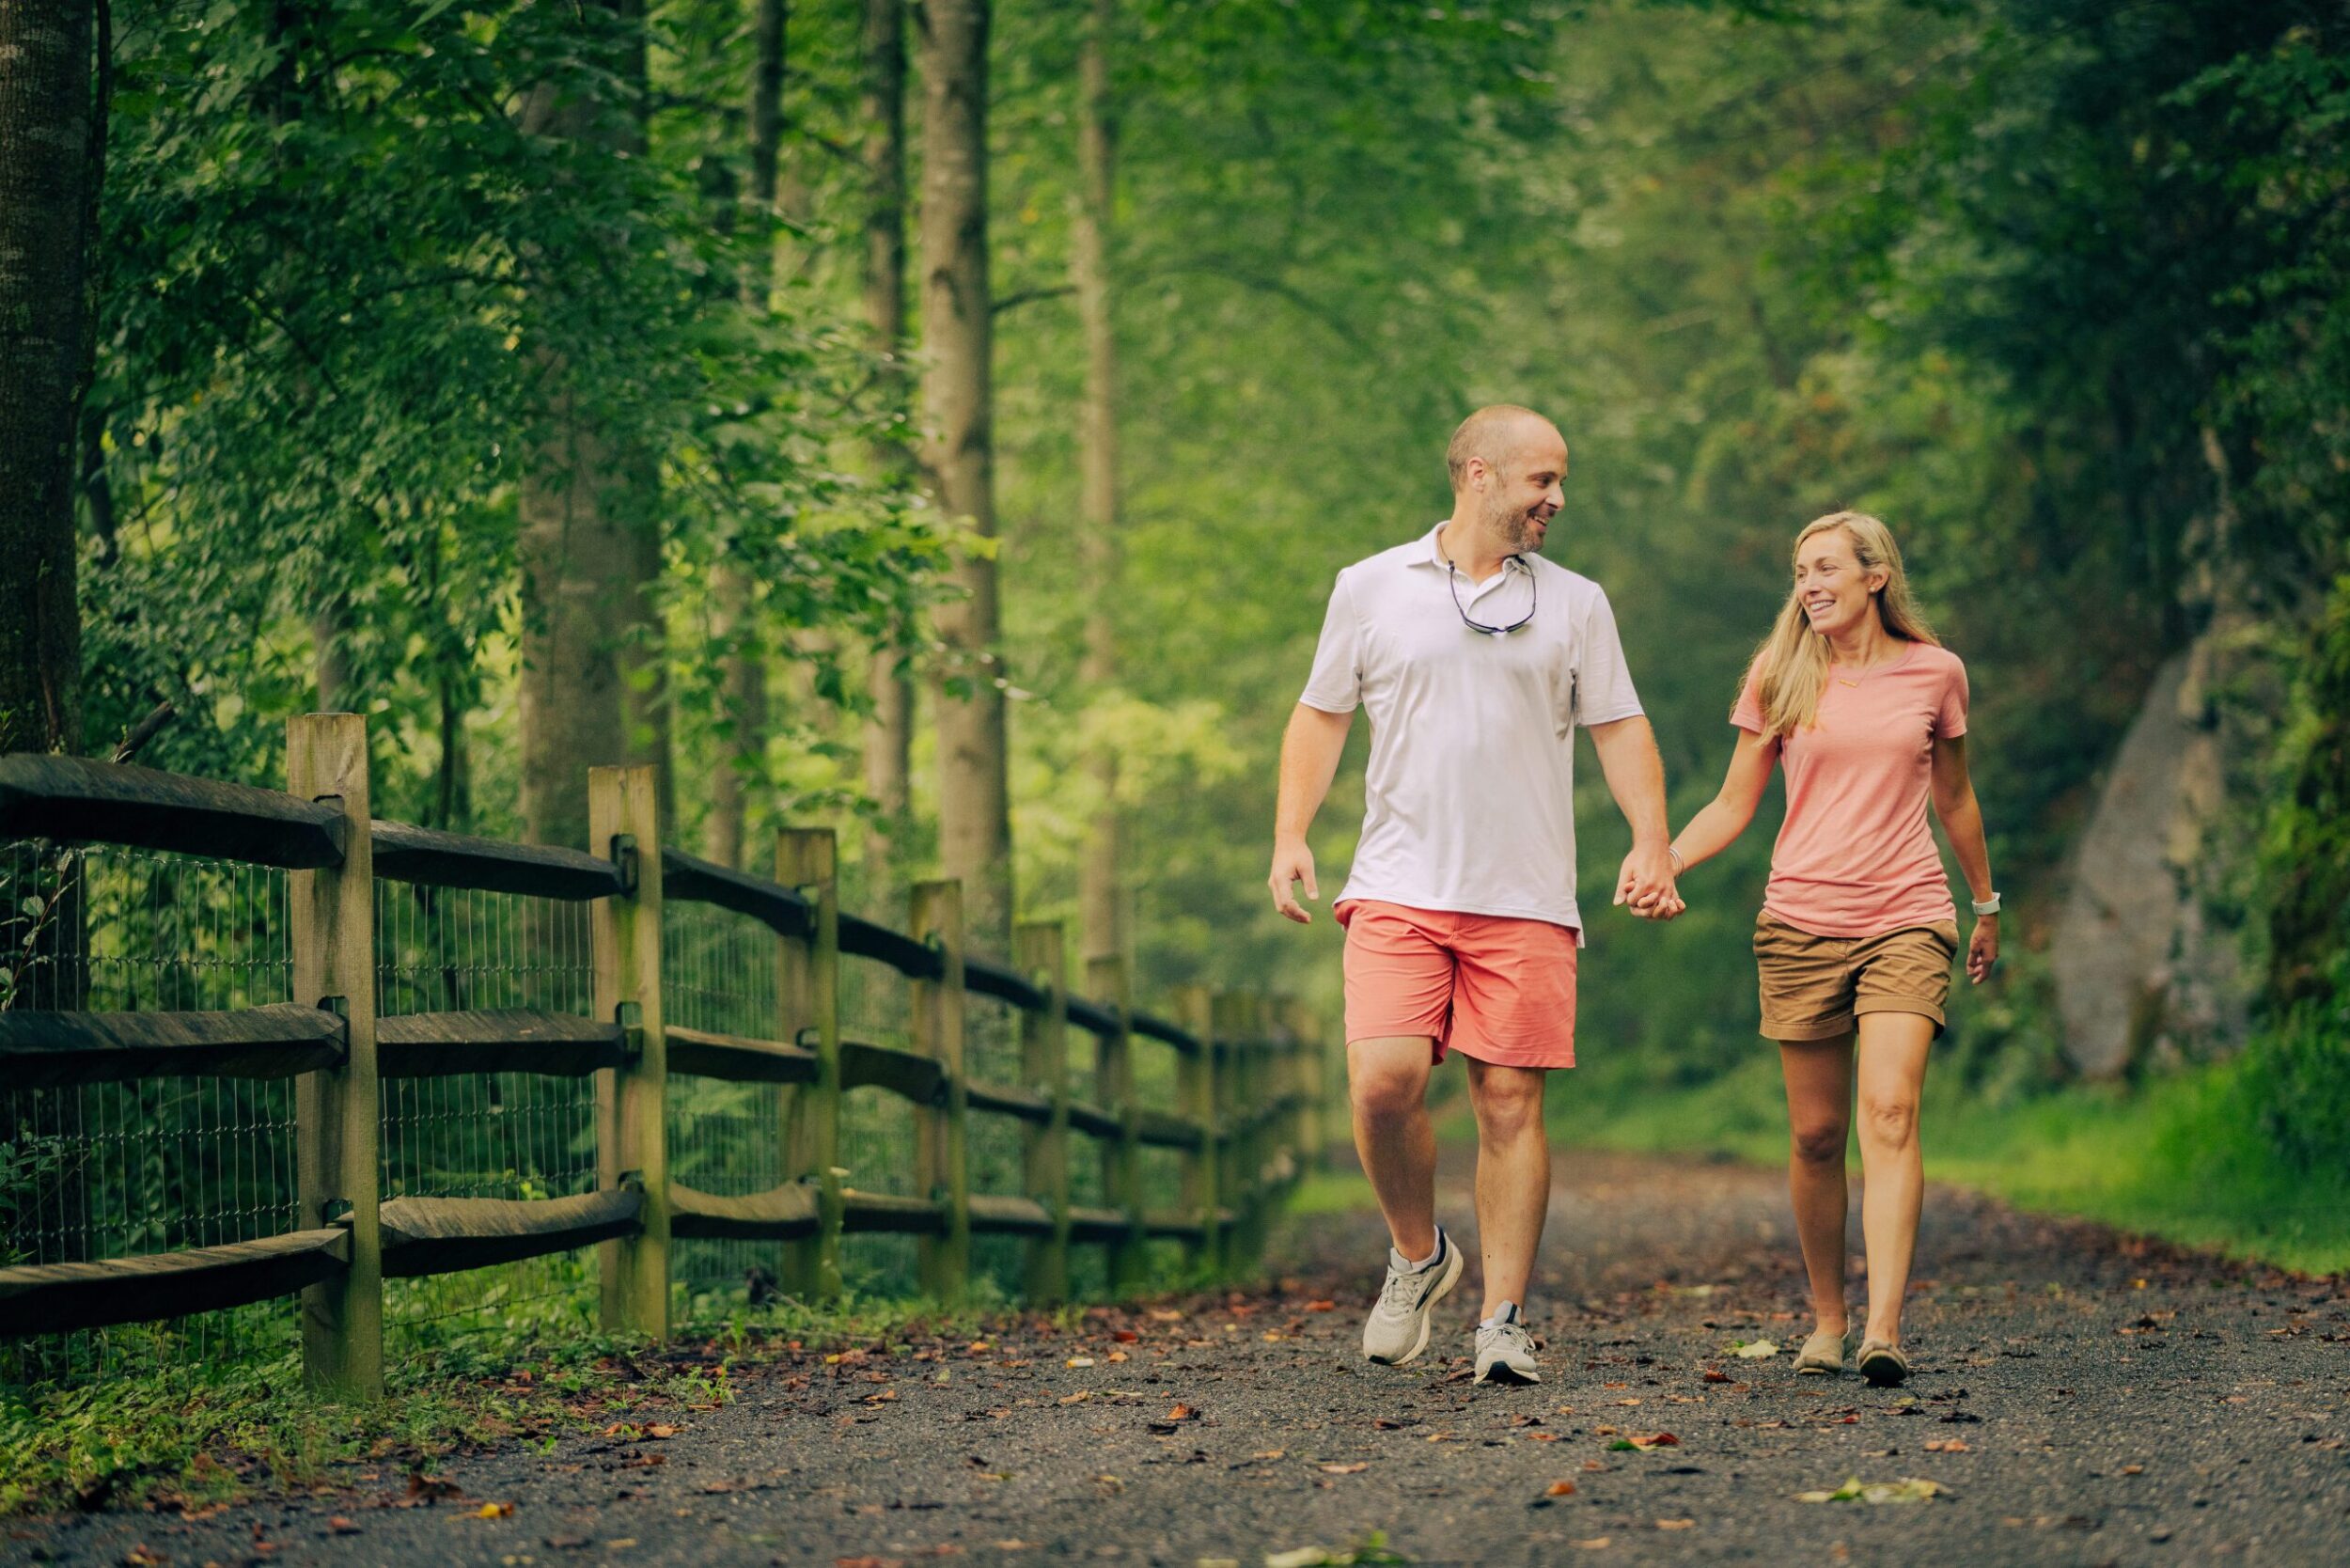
[{"x": 948, "y": 425}]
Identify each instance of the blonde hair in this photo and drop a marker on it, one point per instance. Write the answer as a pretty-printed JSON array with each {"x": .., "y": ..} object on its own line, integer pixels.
[{"x": 1790, "y": 666}]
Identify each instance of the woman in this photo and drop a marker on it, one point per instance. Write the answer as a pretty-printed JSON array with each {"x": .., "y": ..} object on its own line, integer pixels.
[{"x": 1867, "y": 712}]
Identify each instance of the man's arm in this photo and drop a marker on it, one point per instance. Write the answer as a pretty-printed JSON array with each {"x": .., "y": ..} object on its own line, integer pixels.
[
  {"x": 1636, "y": 776},
  {"x": 1310, "y": 748}
]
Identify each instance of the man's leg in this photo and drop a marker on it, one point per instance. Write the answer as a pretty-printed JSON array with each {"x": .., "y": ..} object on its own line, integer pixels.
[
  {"x": 1819, "y": 1118},
  {"x": 1513, "y": 1176},
  {"x": 1387, "y": 1081}
]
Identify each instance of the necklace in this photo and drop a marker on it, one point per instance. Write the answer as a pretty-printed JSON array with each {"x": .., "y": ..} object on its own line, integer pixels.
[{"x": 1867, "y": 670}]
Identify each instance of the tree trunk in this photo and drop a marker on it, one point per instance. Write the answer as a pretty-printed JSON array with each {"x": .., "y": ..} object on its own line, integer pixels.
[
  {"x": 589, "y": 551},
  {"x": 890, "y": 734},
  {"x": 743, "y": 691},
  {"x": 51, "y": 125},
  {"x": 1100, "y": 888},
  {"x": 958, "y": 460}
]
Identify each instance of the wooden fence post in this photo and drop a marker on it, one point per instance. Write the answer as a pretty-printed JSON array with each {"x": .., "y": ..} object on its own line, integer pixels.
[
  {"x": 1195, "y": 1081},
  {"x": 1114, "y": 1086},
  {"x": 1038, "y": 950},
  {"x": 941, "y": 1160},
  {"x": 631, "y": 1101},
  {"x": 1231, "y": 1188},
  {"x": 808, "y": 989},
  {"x": 331, "y": 913}
]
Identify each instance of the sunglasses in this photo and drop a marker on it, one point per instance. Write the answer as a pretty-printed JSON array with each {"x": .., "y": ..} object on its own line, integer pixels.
[{"x": 1452, "y": 581}]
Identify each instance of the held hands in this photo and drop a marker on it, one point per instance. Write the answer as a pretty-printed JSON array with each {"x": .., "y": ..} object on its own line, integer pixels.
[
  {"x": 1292, "y": 862},
  {"x": 1982, "y": 948},
  {"x": 1645, "y": 884}
]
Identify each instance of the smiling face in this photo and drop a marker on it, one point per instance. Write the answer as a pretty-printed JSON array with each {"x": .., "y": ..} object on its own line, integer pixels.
[
  {"x": 1835, "y": 590},
  {"x": 1518, "y": 485}
]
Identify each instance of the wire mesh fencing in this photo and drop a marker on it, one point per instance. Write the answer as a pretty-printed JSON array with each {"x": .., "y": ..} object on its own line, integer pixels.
[
  {"x": 721, "y": 972},
  {"x": 110, "y": 1169},
  {"x": 485, "y": 1134}
]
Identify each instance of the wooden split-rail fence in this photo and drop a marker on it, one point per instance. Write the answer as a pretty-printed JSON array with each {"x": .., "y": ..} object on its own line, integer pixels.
[{"x": 1250, "y": 1072}]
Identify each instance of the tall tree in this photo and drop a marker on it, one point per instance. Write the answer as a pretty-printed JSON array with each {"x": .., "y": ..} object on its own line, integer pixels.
[
  {"x": 743, "y": 689},
  {"x": 589, "y": 497},
  {"x": 52, "y": 140},
  {"x": 890, "y": 730},
  {"x": 1100, "y": 891},
  {"x": 958, "y": 460}
]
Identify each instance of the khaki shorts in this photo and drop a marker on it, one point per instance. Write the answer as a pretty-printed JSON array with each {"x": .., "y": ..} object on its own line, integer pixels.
[{"x": 1818, "y": 987}]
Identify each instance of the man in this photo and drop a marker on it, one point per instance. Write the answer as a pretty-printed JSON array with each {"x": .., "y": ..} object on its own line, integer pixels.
[{"x": 1476, "y": 659}]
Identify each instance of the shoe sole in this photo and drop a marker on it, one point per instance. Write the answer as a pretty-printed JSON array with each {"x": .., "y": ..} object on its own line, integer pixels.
[
  {"x": 1499, "y": 1373},
  {"x": 1884, "y": 1371},
  {"x": 1428, "y": 1311}
]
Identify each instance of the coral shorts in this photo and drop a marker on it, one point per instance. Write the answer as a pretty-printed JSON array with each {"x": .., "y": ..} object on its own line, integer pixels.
[{"x": 1488, "y": 986}]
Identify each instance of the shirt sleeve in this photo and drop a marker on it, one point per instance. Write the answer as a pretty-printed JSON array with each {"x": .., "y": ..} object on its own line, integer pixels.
[
  {"x": 1746, "y": 712},
  {"x": 1950, "y": 719},
  {"x": 1602, "y": 683},
  {"x": 1335, "y": 685}
]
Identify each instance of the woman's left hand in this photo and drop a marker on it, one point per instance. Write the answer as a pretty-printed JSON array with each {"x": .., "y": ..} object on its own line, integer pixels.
[{"x": 1983, "y": 948}]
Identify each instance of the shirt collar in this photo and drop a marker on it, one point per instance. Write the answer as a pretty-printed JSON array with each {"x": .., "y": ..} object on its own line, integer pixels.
[{"x": 1431, "y": 554}]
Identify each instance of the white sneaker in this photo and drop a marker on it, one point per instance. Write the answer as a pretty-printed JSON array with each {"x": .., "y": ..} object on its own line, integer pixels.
[
  {"x": 1505, "y": 1352},
  {"x": 1397, "y": 1329}
]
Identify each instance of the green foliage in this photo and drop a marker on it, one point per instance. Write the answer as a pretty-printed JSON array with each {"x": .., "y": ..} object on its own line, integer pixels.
[
  {"x": 354, "y": 281},
  {"x": 2306, "y": 860}
]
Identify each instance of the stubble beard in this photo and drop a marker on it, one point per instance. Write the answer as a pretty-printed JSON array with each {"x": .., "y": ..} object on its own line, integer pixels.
[{"x": 1513, "y": 526}]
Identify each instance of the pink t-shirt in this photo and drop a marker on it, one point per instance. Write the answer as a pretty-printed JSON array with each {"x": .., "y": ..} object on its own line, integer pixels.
[{"x": 1855, "y": 856}]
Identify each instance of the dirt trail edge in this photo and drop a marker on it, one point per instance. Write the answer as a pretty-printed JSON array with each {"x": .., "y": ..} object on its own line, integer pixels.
[{"x": 2081, "y": 1397}]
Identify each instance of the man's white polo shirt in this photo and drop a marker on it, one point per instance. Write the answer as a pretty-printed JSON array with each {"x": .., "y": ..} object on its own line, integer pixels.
[{"x": 1469, "y": 799}]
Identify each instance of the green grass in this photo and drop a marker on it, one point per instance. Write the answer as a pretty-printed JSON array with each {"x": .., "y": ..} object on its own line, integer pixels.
[
  {"x": 171, "y": 1432},
  {"x": 2181, "y": 1157}
]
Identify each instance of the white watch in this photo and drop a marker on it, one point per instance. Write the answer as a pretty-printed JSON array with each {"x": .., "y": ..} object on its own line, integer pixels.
[{"x": 1987, "y": 906}]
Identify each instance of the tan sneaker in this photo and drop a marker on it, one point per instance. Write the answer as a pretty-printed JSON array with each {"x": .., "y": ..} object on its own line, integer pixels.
[
  {"x": 1824, "y": 1353},
  {"x": 1397, "y": 1329},
  {"x": 1883, "y": 1365}
]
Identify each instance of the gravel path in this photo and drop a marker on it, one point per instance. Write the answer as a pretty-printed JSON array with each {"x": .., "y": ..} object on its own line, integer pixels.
[{"x": 2080, "y": 1399}]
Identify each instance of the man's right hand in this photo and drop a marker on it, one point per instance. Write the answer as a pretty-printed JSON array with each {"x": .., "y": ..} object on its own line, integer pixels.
[{"x": 1292, "y": 862}]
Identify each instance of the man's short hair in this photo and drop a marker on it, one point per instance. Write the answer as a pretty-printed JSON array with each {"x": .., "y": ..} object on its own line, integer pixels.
[{"x": 1484, "y": 434}]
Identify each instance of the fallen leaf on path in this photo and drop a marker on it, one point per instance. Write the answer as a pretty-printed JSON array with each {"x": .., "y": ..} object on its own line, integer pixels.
[
  {"x": 1078, "y": 1362},
  {"x": 658, "y": 1430},
  {"x": 1166, "y": 1314},
  {"x": 1646, "y": 1440},
  {"x": 1597, "y": 1543},
  {"x": 144, "y": 1556},
  {"x": 1560, "y": 1489},
  {"x": 1541, "y": 1437},
  {"x": 1753, "y": 1349},
  {"x": 1909, "y": 1489},
  {"x": 1676, "y": 1524},
  {"x": 1715, "y": 1375},
  {"x": 1182, "y": 1412},
  {"x": 493, "y": 1510},
  {"x": 2126, "y": 1469},
  {"x": 1124, "y": 1335},
  {"x": 1956, "y": 1445},
  {"x": 1353, "y": 1470},
  {"x": 1321, "y": 1306}
]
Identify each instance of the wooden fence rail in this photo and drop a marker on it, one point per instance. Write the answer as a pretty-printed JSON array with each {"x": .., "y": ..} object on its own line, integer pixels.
[{"x": 1250, "y": 1080}]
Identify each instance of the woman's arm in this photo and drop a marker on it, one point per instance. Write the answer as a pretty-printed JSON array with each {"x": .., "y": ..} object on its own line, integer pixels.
[
  {"x": 1962, "y": 819},
  {"x": 1711, "y": 831}
]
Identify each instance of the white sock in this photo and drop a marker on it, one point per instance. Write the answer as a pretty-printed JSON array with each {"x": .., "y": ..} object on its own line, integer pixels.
[
  {"x": 1405, "y": 1265},
  {"x": 1507, "y": 1312}
]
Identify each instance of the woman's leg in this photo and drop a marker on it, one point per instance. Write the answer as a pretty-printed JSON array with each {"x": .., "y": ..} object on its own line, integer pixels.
[
  {"x": 1819, "y": 1115},
  {"x": 1892, "y": 1071}
]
